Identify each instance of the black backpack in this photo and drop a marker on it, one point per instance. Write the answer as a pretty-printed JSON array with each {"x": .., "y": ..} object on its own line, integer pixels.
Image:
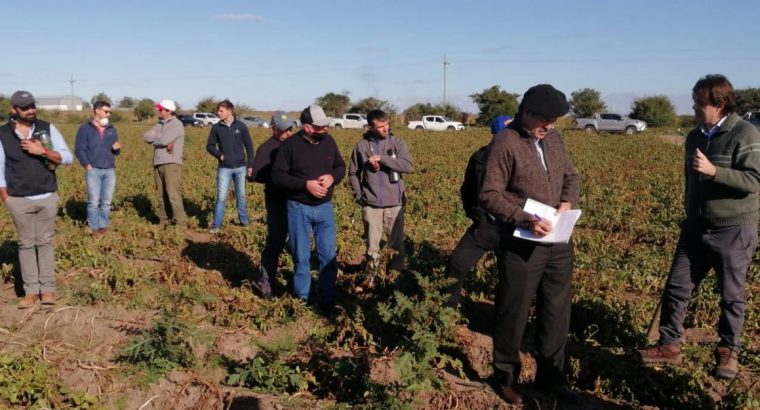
[{"x": 473, "y": 182}]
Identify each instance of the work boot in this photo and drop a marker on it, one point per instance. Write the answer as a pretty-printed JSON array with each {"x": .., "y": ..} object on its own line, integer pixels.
[
  {"x": 726, "y": 363},
  {"x": 28, "y": 301},
  {"x": 510, "y": 395},
  {"x": 48, "y": 298},
  {"x": 661, "y": 353}
]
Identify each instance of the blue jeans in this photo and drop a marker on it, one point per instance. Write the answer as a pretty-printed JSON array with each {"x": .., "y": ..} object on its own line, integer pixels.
[
  {"x": 223, "y": 177},
  {"x": 100, "y": 187},
  {"x": 302, "y": 221}
]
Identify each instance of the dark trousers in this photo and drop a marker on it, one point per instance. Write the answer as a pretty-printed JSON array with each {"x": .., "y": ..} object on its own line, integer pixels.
[
  {"x": 482, "y": 236},
  {"x": 277, "y": 235},
  {"x": 729, "y": 251},
  {"x": 527, "y": 269}
]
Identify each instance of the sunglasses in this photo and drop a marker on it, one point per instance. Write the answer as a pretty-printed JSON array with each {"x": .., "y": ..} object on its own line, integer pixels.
[{"x": 28, "y": 107}]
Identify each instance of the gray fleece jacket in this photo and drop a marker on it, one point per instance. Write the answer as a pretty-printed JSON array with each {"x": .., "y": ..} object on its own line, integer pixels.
[
  {"x": 374, "y": 188},
  {"x": 163, "y": 134}
]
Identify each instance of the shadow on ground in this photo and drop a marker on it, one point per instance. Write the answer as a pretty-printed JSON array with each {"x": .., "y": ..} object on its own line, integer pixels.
[{"x": 234, "y": 266}]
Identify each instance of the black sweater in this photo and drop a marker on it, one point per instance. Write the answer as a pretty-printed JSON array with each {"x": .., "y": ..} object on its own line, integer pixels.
[
  {"x": 230, "y": 141},
  {"x": 299, "y": 160}
]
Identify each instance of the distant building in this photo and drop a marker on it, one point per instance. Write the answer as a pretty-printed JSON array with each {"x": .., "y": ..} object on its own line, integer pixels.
[{"x": 62, "y": 103}]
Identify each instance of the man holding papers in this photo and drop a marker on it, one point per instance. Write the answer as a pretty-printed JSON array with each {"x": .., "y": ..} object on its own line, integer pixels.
[{"x": 526, "y": 161}]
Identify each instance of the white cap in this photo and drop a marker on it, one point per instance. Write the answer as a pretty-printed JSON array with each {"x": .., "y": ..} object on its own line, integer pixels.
[{"x": 168, "y": 105}]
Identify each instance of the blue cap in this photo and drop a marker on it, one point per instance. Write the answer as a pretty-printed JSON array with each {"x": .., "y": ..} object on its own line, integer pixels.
[{"x": 499, "y": 123}]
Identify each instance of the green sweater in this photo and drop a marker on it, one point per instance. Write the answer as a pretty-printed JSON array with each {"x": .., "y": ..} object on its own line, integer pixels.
[{"x": 729, "y": 198}]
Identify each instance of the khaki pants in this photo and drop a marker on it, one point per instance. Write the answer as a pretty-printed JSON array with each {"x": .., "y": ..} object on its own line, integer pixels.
[
  {"x": 35, "y": 225},
  {"x": 168, "y": 179},
  {"x": 389, "y": 221}
]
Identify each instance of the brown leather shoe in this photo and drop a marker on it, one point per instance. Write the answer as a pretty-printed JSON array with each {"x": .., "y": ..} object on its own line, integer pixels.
[
  {"x": 28, "y": 301},
  {"x": 726, "y": 363},
  {"x": 48, "y": 298},
  {"x": 510, "y": 395},
  {"x": 661, "y": 353}
]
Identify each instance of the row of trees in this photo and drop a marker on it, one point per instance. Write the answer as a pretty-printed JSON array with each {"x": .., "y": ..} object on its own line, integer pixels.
[{"x": 656, "y": 110}]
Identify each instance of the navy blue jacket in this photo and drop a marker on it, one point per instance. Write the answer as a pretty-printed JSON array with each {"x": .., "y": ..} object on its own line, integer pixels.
[
  {"x": 92, "y": 149},
  {"x": 230, "y": 141}
]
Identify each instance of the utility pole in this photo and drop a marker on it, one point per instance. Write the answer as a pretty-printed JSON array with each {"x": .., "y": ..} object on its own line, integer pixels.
[
  {"x": 445, "y": 63},
  {"x": 71, "y": 99}
]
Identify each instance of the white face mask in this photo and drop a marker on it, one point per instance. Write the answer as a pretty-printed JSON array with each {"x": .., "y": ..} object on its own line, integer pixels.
[{"x": 103, "y": 122}]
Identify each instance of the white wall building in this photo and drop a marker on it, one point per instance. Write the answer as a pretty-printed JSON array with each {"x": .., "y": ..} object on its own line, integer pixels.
[{"x": 63, "y": 103}]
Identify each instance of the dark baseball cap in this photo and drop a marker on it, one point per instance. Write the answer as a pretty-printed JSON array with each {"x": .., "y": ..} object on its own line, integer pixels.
[
  {"x": 282, "y": 121},
  {"x": 499, "y": 123},
  {"x": 22, "y": 99},
  {"x": 315, "y": 115}
]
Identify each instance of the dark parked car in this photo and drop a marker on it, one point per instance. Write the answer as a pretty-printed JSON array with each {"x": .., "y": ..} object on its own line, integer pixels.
[
  {"x": 187, "y": 119},
  {"x": 255, "y": 122},
  {"x": 753, "y": 117}
]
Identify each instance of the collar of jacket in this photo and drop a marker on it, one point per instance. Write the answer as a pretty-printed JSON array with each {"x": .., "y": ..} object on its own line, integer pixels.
[
  {"x": 729, "y": 123},
  {"x": 371, "y": 136}
]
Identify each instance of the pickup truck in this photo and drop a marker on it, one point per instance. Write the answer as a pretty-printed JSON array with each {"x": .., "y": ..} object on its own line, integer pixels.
[
  {"x": 349, "y": 121},
  {"x": 610, "y": 122},
  {"x": 187, "y": 119},
  {"x": 435, "y": 123},
  {"x": 207, "y": 118}
]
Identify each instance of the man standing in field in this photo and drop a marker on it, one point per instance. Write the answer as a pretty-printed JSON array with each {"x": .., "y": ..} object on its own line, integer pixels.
[
  {"x": 722, "y": 168},
  {"x": 30, "y": 149},
  {"x": 375, "y": 173},
  {"x": 275, "y": 200},
  {"x": 97, "y": 144},
  {"x": 483, "y": 235},
  {"x": 230, "y": 143},
  {"x": 168, "y": 140},
  {"x": 529, "y": 160},
  {"x": 308, "y": 166}
]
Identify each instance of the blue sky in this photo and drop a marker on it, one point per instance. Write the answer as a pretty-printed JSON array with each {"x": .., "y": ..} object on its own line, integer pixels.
[{"x": 283, "y": 54}]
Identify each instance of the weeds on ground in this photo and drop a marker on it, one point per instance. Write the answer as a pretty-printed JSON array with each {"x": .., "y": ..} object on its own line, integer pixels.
[
  {"x": 424, "y": 326},
  {"x": 164, "y": 347},
  {"x": 27, "y": 381},
  {"x": 271, "y": 371}
]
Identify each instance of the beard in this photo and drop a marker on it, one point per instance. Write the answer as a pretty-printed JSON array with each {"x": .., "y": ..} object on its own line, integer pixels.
[{"x": 27, "y": 117}]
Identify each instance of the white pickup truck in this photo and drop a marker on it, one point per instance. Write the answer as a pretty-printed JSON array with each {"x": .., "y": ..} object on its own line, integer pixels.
[
  {"x": 611, "y": 123},
  {"x": 435, "y": 123},
  {"x": 207, "y": 118},
  {"x": 349, "y": 121}
]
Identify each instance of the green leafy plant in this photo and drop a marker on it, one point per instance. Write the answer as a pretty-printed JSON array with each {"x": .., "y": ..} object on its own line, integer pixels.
[
  {"x": 164, "y": 347},
  {"x": 270, "y": 372}
]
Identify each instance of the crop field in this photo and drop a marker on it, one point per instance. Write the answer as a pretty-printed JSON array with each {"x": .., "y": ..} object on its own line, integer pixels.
[{"x": 153, "y": 318}]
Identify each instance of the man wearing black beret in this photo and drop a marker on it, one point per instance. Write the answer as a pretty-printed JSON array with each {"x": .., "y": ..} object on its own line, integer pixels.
[{"x": 528, "y": 160}]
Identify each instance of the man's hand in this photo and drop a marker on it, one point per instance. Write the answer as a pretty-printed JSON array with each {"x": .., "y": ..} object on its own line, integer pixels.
[
  {"x": 88, "y": 168},
  {"x": 116, "y": 146},
  {"x": 564, "y": 206},
  {"x": 326, "y": 180},
  {"x": 4, "y": 194},
  {"x": 315, "y": 188},
  {"x": 374, "y": 162},
  {"x": 540, "y": 227},
  {"x": 249, "y": 172},
  {"x": 32, "y": 146},
  {"x": 170, "y": 147},
  {"x": 703, "y": 165}
]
